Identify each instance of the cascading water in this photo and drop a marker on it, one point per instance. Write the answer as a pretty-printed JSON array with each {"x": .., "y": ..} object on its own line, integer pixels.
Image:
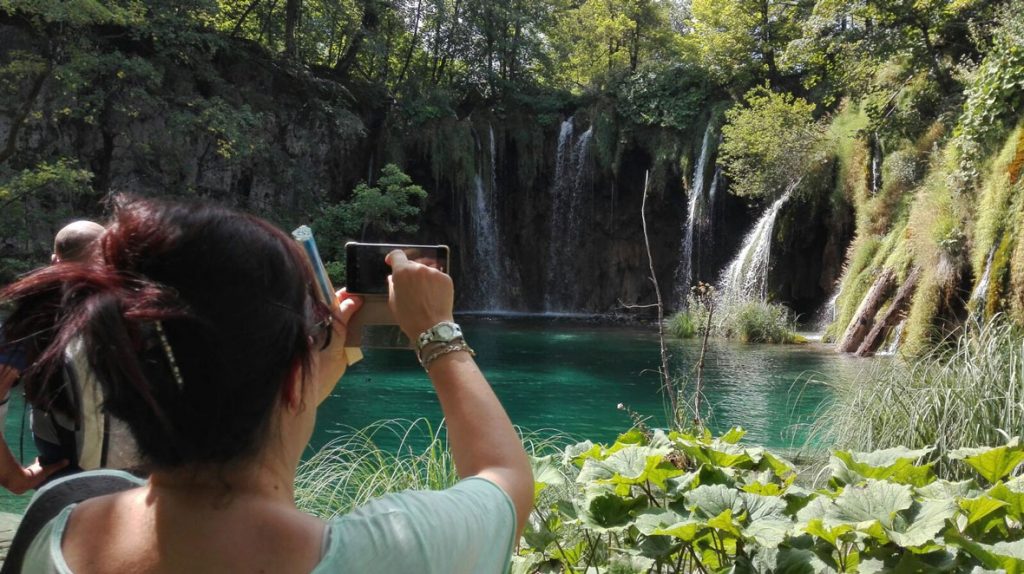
[
  {"x": 747, "y": 276},
  {"x": 491, "y": 290},
  {"x": 568, "y": 191},
  {"x": 980, "y": 292},
  {"x": 696, "y": 206}
]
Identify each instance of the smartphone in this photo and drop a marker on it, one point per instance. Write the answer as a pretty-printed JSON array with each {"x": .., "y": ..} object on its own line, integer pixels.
[
  {"x": 304, "y": 235},
  {"x": 367, "y": 274}
]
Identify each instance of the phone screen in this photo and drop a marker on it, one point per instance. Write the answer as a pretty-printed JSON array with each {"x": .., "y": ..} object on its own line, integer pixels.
[{"x": 367, "y": 273}]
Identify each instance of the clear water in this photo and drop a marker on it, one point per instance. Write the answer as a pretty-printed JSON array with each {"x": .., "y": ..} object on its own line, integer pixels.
[{"x": 568, "y": 377}]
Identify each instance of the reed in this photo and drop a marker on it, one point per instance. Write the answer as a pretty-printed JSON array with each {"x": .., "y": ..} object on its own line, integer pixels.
[
  {"x": 360, "y": 465},
  {"x": 968, "y": 392}
]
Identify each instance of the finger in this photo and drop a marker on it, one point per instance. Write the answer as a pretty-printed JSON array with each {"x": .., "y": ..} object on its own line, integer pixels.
[
  {"x": 396, "y": 258},
  {"x": 349, "y": 305}
]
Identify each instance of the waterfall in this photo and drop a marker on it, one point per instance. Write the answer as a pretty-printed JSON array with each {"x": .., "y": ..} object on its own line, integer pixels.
[
  {"x": 746, "y": 277},
  {"x": 568, "y": 192},
  {"x": 876, "y": 164},
  {"x": 980, "y": 293},
  {"x": 894, "y": 339},
  {"x": 827, "y": 314},
  {"x": 696, "y": 208},
  {"x": 491, "y": 289}
]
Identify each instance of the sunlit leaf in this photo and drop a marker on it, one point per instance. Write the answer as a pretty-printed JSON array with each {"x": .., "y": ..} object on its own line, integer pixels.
[
  {"x": 710, "y": 501},
  {"x": 993, "y": 464}
]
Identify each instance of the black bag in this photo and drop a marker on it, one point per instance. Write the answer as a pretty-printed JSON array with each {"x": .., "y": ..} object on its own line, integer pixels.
[{"x": 50, "y": 502}]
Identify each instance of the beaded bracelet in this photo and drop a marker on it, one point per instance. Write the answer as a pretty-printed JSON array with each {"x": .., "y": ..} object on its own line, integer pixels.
[{"x": 450, "y": 348}]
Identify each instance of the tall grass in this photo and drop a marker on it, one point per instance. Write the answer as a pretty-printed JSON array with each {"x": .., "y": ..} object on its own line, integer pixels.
[
  {"x": 361, "y": 465},
  {"x": 968, "y": 392}
]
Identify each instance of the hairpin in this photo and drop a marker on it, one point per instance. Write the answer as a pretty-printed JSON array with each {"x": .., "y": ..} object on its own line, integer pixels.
[{"x": 170, "y": 355}]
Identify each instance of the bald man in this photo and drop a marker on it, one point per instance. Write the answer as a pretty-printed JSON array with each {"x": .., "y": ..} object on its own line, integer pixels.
[{"x": 75, "y": 242}]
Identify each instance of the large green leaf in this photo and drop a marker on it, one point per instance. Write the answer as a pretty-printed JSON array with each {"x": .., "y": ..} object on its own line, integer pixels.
[
  {"x": 895, "y": 464},
  {"x": 875, "y": 501},
  {"x": 944, "y": 489},
  {"x": 980, "y": 509},
  {"x": 734, "y": 435},
  {"x": 545, "y": 473},
  {"x": 993, "y": 464},
  {"x": 640, "y": 464},
  {"x": 539, "y": 534},
  {"x": 725, "y": 523},
  {"x": 799, "y": 561},
  {"x": 759, "y": 507},
  {"x": 630, "y": 466},
  {"x": 668, "y": 523},
  {"x": 653, "y": 519},
  {"x": 831, "y": 534},
  {"x": 1012, "y": 493},
  {"x": 923, "y": 523},
  {"x": 711, "y": 500},
  {"x": 609, "y": 512},
  {"x": 1004, "y": 556},
  {"x": 768, "y": 532},
  {"x": 578, "y": 453}
]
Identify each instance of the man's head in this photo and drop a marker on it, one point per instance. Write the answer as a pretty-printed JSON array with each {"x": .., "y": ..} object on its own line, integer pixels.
[{"x": 74, "y": 242}]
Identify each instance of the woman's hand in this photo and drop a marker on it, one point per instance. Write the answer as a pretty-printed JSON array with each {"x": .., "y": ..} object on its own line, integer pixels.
[
  {"x": 20, "y": 480},
  {"x": 332, "y": 360},
  {"x": 419, "y": 296}
]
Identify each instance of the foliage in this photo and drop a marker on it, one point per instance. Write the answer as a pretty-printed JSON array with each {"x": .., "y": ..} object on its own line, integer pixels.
[
  {"x": 11, "y": 269},
  {"x": 676, "y": 502},
  {"x": 666, "y": 96},
  {"x": 683, "y": 325},
  {"x": 996, "y": 91},
  {"x": 599, "y": 41},
  {"x": 768, "y": 143},
  {"x": 747, "y": 321},
  {"x": 740, "y": 41},
  {"x": 34, "y": 200},
  {"x": 966, "y": 395},
  {"x": 389, "y": 207}
]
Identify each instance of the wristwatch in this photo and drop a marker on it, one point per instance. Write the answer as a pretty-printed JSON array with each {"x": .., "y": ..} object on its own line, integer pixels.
[{"x": 443, "y": 332}]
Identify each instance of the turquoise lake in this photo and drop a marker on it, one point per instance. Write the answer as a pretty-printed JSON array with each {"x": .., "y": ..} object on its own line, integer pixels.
[{"x": 567, "y": 377}]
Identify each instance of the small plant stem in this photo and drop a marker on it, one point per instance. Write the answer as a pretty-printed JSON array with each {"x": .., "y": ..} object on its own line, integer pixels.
[
  {"x": 666, "y": 381},
  {"x": 593, "y": 551},
  {"x": 697, "y": 419},
  {"x": 696, "y": 560},
  {"x": 646, "y": 487},
  {"x": 558, "y": 544},
  {"x": 679, "y": 563}
]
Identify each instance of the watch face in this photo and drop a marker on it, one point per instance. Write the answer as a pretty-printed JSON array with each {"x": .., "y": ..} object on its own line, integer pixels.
[{"x": 445, "y": 331}]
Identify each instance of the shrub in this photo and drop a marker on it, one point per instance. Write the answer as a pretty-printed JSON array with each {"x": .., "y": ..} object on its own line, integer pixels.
[
  {"x": 760, "y": 322},
  {"x": 682, "y": 325},
  {"x": 966, "y": 394},
  {"x": 675, "y": 502}
]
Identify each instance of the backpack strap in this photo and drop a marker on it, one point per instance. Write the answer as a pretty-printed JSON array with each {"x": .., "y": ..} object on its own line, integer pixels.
[{"x": 55, "y": 497}]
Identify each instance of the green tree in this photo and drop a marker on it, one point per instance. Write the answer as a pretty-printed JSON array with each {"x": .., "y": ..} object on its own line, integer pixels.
[
  {"x": 389, "y": 207},
  {"x": 600, "y": 41},
  {"x": 740, "y": 41},
  {"x": 769, "y": 143}
]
